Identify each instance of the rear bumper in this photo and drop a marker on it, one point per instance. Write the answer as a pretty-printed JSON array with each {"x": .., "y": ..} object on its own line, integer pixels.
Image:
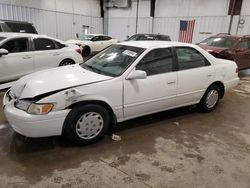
[{"x": 232, "y": 83}]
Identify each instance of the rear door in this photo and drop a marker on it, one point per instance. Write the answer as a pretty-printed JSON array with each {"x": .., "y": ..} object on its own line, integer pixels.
[
  {"x": 106, "y": 41},
  {"x": 46, "y": 53},
  {"x": 18, "y": 62},
  {"x": 97, "y": 44},
  {"x": 195, "y": 74}
]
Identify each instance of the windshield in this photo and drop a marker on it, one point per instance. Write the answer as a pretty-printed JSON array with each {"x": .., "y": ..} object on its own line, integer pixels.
[
  {"x": 86, "y": 37},
  {"x": 219, "y": 42},
  {"x": 113, "y": 61}
]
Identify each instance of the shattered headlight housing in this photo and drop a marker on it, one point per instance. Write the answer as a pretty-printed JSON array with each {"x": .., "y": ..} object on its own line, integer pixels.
[{"x": 34, "y": 108}]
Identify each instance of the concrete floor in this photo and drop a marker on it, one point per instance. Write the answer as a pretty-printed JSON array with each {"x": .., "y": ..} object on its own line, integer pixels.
[{"x": 177, "y": 148}]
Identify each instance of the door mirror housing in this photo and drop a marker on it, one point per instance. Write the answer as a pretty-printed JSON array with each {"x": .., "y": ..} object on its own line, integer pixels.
[
  {"x": 3, "y": 52},
  {"x": 137, "y": 74}
]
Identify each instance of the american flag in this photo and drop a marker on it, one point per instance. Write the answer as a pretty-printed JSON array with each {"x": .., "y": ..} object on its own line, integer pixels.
[{"x": 186, "y": 30}]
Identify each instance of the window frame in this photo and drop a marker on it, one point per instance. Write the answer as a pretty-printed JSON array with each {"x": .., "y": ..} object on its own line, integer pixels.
[
  {"x": 243, "y": 40},
  {"x": 174, "y": 68},
  {"x": 34, "y": 46},
  {"x": 29, "y": 46},
  {"x": 109, "y": 38},
  {"x": 207, "y": 63}
]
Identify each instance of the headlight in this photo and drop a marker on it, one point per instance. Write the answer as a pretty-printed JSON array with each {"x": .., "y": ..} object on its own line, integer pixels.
[
  {"x": 23, "y": 104},
  {"x": 39, "y": 109},
  {"x": 34, "y": 108}
]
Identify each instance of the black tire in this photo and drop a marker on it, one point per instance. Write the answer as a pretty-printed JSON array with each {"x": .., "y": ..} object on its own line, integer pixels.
[
  {"x": 72, "y": 129},
  {"x": 66, "y": 62},
  {"x": 204, "y": 104},
  {"x": 86, "y": 51}
]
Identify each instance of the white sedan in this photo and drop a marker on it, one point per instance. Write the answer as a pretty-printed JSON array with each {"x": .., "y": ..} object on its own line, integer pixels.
[
  {"x": 93, "y": 43},
  {"x": 124, "y": 81},
  {"x": 22, "y": 53}
]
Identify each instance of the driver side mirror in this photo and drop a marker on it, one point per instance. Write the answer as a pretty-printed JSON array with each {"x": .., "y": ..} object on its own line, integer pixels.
[
  {"x": 137, "y": 74},
  {"x": 3, "y": 52}
]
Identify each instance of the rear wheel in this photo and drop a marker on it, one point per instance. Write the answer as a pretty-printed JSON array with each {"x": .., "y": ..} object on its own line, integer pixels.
[
  {"x": 210, "y": 99},
  {"x": 66, "y": 62},
  {"x": 86, "y": 124}
]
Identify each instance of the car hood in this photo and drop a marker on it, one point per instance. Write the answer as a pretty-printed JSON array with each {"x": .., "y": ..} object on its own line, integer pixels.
[
  {"x": 82, "y": 42},
  {"x": 55, "y": 79},
  {"x": 212, "y": 49}
]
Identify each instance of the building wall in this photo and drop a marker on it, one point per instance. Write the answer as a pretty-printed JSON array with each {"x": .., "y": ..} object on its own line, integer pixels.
[
  {"x": 121, "y": 22},
  {"x": 210, "y": 16},
  {"x": 244, "y": 29},
  {"x": 56, "y": 18}
]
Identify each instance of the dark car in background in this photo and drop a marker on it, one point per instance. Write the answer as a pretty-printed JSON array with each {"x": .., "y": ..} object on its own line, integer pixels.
[
  {"x": 137, "y": 37},
  {"x": 17, "y": 26},
  {"x": 232, "y": 47}
]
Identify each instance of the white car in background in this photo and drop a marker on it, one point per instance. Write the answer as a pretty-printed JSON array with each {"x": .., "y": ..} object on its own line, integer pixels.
[
  {"x": 22, "y": 54},
  {"x": 92, "y": 43},
  {"x": 124, "y": 81}
]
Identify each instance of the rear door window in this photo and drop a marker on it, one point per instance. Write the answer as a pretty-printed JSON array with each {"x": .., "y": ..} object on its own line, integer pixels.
[
  {"x": 16, "y": 45},
  {"x": 106, "y": 38},
  {"x": 245, "y": 44},
  {"x": 189, "y": 58},
  {"x": 44, "y": 44}
]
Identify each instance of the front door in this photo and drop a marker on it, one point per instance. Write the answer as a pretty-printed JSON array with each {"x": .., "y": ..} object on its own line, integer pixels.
[
  {"x": 18, "y": 62},
  {"x": 155, "y": 93}
]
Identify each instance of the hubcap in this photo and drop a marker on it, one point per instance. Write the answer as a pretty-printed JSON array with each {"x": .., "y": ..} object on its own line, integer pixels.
[
  {"x": 66, "y": 63},
  {"x": 212, "y": 98},
  {"x": 89, "y": 125}
]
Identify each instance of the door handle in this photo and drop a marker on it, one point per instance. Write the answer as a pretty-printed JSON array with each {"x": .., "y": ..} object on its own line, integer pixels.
[
  {"x": 27, "y": 57},
  {"x": 209, "y": 75},
  {"x": 56, "y": 54},
  {"x": 173, "y": 82}
]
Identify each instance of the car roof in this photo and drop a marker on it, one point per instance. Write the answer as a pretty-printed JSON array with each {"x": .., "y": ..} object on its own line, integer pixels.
[
  {"x": 12, "y": 34},
  {"x": 149, "y": 34},
  {"x": 231, "y": 36},
  {"x": 96, "y": 34},
  {"x": 14, "y": 21},
  {"x": 154, "y": 44}
]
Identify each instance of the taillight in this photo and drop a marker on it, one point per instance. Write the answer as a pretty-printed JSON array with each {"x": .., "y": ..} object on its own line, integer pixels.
[{"x": 78, "y": 50}]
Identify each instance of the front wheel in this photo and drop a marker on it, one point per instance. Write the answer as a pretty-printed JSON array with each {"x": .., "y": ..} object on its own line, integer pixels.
[
  {"x": 86, "y": 124},
  {"x": 210, "y": 99}
]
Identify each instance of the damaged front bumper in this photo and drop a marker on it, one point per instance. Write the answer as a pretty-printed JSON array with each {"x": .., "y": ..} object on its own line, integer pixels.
[{"x": 29, "y": 125}]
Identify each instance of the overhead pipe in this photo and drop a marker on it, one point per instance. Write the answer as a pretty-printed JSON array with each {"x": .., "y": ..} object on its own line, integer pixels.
[
  {"x": 231, "y": 17},
  {"x": 136, "y": 18}
]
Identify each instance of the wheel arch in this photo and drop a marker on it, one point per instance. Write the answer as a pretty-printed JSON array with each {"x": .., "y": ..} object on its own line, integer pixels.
[
  {"x": 98, "y": 102},
  {"x": 221, "y": 86},
  {"x": 67, "y": 58}
]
